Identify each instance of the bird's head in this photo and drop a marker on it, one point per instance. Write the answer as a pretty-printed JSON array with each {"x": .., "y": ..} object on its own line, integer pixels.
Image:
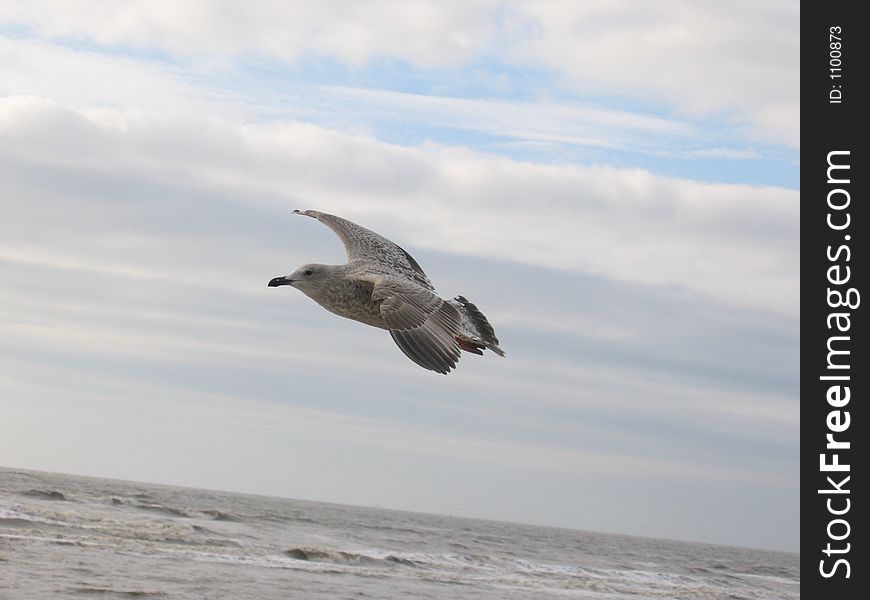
[{"x": 309, "y": 279}]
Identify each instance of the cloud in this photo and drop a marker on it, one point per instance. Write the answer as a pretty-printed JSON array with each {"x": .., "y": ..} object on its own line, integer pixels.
[
  {"x": 732, "y": 153},
  {"x": 625, "y": 224},
  {"x": 425, "y": 33},
  {"x": 87, "y": 80},
  {"x": 739, "y": 59},
  {"x": 538, "y": 121},
  {"x": 736, "y": 61},
  {"x": 164, "y": 212},
  {"x": 541, "y": 130}
]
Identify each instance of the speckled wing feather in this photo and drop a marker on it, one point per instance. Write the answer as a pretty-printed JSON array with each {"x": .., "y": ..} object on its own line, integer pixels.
[
  {"x": 422, "y": 324},
  {"x": 375, "y": 253}
]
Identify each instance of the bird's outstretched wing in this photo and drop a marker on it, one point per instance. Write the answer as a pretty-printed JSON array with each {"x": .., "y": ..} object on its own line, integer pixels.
[
  {"x": 377, "y": 252},
  {"x": 422, "y": 324}
]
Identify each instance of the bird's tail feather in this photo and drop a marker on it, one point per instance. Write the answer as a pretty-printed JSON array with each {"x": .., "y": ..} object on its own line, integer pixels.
[{"x": 475, "y": 332}]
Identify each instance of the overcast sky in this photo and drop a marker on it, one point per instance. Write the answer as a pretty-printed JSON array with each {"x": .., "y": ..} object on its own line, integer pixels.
[{"x": 614, "y": 183}]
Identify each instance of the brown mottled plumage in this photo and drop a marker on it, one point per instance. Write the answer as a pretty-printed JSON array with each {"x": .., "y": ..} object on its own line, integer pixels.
[{"x": 383, "y": 286}]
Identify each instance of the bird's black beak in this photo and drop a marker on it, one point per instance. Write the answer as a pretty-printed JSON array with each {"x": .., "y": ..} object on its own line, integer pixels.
[{"x": 280, "y": 281}]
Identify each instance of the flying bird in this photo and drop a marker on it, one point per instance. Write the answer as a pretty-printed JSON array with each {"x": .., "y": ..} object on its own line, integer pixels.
[{"x": 383, "y": 286}]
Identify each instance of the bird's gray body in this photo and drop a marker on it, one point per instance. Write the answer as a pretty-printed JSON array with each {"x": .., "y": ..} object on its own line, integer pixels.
[
  {"x": 348, "y": 296},
  {"x": 383, "y": 286}
]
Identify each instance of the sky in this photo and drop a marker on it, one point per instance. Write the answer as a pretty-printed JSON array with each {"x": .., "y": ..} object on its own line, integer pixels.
[{"x": 614, "y": 183}]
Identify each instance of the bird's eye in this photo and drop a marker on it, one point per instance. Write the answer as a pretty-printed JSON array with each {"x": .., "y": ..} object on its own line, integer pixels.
[{"x": 308, "y": 271}]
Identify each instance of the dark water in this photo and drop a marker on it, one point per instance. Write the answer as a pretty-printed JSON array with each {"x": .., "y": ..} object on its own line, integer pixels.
[{"x": 64, "y": 536}]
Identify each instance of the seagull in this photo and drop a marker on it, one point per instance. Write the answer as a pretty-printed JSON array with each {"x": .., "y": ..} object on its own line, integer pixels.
[{"x": 383, "y": 286}]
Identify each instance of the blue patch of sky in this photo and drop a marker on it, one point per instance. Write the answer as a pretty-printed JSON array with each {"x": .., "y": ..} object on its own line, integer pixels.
[
  {"x": 159, "y": 56},
  {"x": 15, "y": 31},
  {"x": 481, "y": 79},
  {"x": 763, "y": 164},
  {"x": 772, "y": 165},
  {"x": 771, "y": 168}
]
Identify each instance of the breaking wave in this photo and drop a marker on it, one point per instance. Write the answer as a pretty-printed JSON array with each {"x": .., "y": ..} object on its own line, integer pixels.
[
  {"x": 338, "y": 557},
  {"x": 45, "y": 494}
]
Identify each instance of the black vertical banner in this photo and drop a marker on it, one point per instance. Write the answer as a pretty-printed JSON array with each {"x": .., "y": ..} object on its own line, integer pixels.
[{"x": 834, "y": 265}]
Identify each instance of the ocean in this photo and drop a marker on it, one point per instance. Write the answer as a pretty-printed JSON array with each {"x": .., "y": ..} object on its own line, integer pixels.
[{"x": 65, "y": 536}]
